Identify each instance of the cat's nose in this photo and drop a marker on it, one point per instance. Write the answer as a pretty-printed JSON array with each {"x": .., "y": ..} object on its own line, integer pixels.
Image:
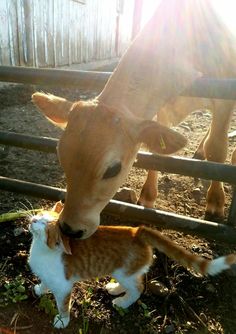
[{"x": 67, "y": 230}]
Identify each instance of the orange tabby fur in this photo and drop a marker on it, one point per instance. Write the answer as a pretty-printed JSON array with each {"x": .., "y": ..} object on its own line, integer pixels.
[{"x": 110, "y": 247}]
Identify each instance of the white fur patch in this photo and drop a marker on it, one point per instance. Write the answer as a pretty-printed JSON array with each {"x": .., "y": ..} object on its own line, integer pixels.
[
  {"x": 48, "y": 265},
  {"x": 130, "y": 285},
  {"x": 39, "y": 222},
  {"x": 216, "y": 266}
]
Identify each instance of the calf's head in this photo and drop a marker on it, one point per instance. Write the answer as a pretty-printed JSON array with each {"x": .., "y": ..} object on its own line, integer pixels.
[{"x": 96, "y": 152}]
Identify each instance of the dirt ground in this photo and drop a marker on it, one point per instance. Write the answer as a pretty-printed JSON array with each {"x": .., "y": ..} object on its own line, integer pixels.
[{"x": 189, "y": 303}]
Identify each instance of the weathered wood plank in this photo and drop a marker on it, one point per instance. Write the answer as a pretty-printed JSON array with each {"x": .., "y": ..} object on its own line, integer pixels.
[
  {"x": 4, "y": 36},
  {"x": 60, "y": 32}
]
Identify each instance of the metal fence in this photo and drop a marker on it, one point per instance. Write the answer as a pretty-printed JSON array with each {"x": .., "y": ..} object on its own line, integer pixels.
[{"x": 205, "y": 87}]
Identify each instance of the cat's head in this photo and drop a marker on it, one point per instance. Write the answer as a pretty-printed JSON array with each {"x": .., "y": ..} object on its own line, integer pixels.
[{"x": 45, "y": 229}]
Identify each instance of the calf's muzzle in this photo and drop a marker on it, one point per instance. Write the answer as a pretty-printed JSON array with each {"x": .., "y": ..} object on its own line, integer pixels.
[{"x": 66, "y": 230}]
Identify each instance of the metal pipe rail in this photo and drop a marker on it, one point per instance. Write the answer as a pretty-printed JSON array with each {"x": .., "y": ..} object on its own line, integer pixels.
[
  {"x": 202, "y": 87},
  {"x": 54, "y": 77},
  {"x": 176, "y": 165},
  {"x": 135, "y": 213},
  {"x": 43, "y": 144}
]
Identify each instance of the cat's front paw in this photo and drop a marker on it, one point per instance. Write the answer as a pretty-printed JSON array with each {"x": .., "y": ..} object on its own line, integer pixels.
[
  {"x": 122, "y": 302},
  {"x": 61, "y": 322}
]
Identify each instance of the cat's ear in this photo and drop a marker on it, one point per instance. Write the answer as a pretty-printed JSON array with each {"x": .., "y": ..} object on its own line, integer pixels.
[
  {"x": 58, "y": 207},
  {"x": 65, "y": 241}
]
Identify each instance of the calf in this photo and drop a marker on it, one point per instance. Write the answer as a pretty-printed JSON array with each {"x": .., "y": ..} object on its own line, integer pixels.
[
  {"x": 96, "y": 151},
  {"x": 182, "y": 41}
]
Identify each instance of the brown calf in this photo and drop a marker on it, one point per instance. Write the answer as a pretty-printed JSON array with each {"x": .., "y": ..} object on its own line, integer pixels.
[
  {"x": 183, "y": 40},
  {"x": 96, "y": 151}
]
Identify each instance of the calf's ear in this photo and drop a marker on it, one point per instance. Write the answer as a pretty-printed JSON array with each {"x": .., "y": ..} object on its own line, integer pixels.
[
  {"x": 56, "y": 109},
  {"x": 159, "y": 138}
]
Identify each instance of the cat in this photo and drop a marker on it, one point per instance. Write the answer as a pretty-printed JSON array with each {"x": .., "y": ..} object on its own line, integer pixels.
[{"x": 121, "y": 251}]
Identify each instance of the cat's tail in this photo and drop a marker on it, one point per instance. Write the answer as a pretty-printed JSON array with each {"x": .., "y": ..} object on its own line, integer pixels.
[{"x": 171, "y": 249}]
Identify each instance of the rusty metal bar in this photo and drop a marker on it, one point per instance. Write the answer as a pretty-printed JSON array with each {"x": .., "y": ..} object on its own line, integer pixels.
[
  {"x": 44, "y": 144},
  {"x": 189, "y": 167},
  {"x": 31, "y": 189},
  {"x": 133, "y": 213},
  {"x": 202, "y": 87},
  {"x": 171, "y": 221},
  {"x": 176, "y": 165},
  {"x": 54, "y": 77}
]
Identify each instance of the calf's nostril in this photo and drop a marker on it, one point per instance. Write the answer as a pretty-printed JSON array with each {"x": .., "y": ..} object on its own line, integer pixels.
[{"x": 67, "y": 230}]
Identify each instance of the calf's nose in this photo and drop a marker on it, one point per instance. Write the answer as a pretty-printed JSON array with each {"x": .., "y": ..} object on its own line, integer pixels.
[{"x": 67, "y": 230}]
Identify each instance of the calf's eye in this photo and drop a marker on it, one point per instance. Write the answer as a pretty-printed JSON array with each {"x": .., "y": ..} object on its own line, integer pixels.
[{"x": 112, "y": 171}]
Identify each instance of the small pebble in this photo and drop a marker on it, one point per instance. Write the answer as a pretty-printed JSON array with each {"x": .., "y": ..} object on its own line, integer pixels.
[
  {"x": 126, "y": 195},
  {"x": 158, "y": 288}
]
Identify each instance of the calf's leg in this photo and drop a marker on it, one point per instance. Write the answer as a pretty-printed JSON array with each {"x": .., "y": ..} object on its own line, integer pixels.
[
  {"x": 149, "y": 191},
  {"x": 215, "y": 149}
]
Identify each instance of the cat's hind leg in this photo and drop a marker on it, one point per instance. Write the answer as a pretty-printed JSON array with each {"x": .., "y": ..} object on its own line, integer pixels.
[
  {"x": 133, "y": 287},
  {"x": 62, "y": 319}
]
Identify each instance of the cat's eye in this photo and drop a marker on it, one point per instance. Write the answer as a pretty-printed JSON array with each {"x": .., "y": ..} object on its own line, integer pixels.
[{"x": 112, "y": 171}]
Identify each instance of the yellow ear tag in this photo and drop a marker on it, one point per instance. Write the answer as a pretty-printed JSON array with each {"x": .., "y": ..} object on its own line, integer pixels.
[{"x": 162, "y": 143}]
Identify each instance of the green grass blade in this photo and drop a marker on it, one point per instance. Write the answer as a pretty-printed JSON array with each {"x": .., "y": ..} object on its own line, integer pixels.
[{"x": 16, "y": 215}]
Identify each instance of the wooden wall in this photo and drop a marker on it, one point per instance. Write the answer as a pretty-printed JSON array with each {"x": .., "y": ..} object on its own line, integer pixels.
[{"x": 51, "y": 33}]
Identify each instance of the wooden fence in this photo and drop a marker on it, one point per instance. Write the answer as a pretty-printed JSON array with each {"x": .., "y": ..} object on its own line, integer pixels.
[{"x": 51, "y": 33}]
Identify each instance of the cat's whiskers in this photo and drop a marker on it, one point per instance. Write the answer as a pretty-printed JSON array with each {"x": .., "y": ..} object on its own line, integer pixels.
[
  {"x": 30, "y": 211},
  {"x": 30, "y": 204},
  {"x": 23, "y": 206}
]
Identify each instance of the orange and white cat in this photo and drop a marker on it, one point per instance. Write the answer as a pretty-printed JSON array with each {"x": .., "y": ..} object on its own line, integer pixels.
[{"x": 122, "y": 252}]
